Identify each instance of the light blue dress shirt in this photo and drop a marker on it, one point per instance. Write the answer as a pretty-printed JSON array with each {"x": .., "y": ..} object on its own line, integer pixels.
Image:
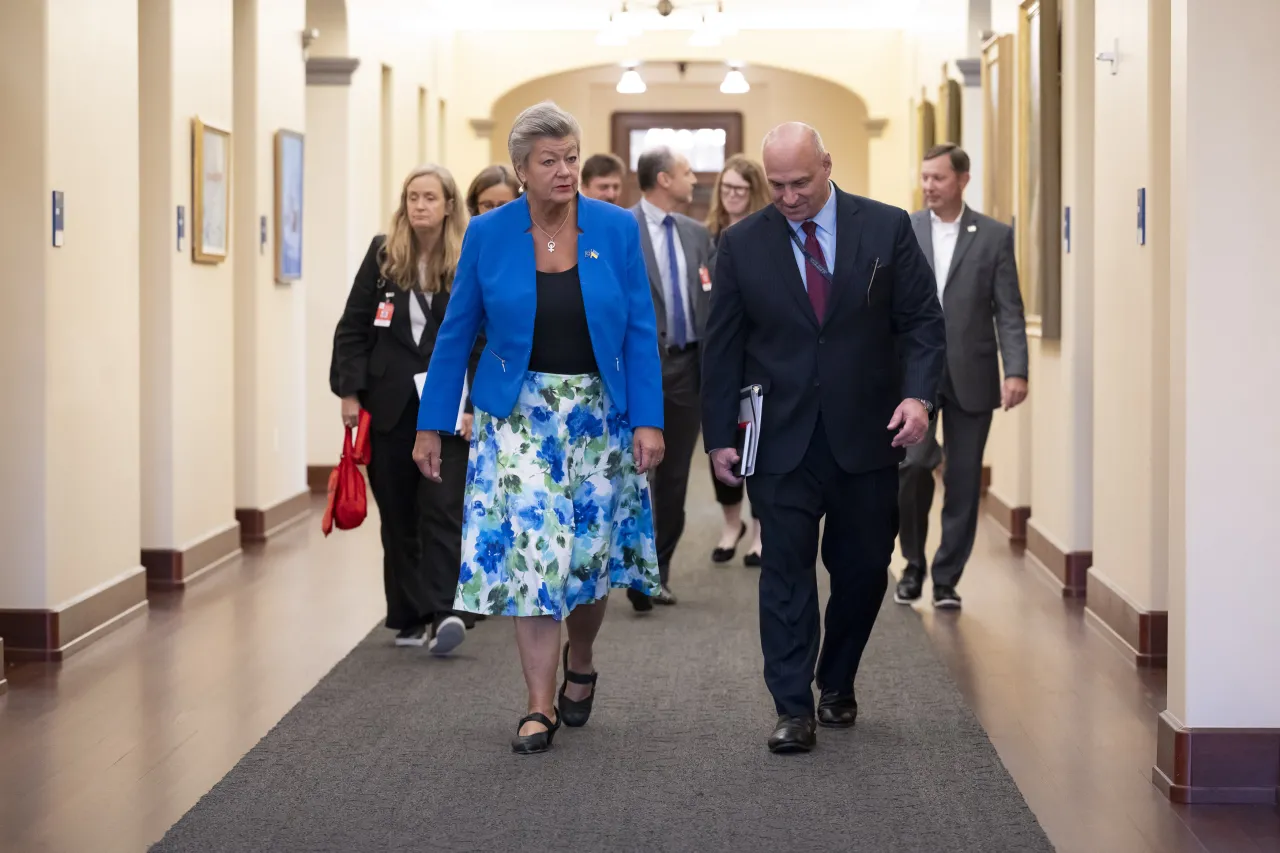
[{"x": 826, "y": 234}]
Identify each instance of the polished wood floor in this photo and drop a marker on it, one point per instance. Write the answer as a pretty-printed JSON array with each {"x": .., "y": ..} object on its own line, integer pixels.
[{"x": 105, "y": 752}]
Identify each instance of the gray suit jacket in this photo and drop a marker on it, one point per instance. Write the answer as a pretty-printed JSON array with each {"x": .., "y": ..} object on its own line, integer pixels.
[
  {"x": 698, "y": 252},
  {"x": 983, "y": 308}
]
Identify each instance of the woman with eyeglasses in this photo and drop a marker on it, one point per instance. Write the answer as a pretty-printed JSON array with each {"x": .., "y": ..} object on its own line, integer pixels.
[
  {"x": 492, "y": 188},
  {"x": 740, "y": 191}
]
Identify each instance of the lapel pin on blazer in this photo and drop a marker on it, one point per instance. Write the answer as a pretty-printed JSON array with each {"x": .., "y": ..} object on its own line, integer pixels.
[
  {"x": 973, "y": 228},
  {"x": 592, "y": 254}
]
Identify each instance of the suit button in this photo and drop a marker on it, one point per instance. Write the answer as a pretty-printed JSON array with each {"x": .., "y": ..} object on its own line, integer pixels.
[
  {"x": 816, "y": 383},
  {"x": 822, "y": 340}
]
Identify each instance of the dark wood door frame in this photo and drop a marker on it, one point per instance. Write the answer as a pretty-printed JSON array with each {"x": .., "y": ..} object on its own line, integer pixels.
[{"x": 620, "y": 143}]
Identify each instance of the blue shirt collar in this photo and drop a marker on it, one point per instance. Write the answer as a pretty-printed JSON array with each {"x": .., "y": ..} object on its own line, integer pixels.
[{"x": 826, "y": 218}]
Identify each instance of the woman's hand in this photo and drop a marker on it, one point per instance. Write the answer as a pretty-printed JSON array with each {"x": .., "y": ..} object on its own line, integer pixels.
[
  {"x": 468, "y": 420},
  {"x": 350, "y": 412},
  {"x": 426, "y": 453},
  {"x": 649, "y": 447}
]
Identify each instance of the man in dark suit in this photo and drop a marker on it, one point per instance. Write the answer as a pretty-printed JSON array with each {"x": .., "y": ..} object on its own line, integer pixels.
[
  {"x": 826, "y": 302},
  {"x": 678, "y": 254},
  {"x": 977, "y": 283}
]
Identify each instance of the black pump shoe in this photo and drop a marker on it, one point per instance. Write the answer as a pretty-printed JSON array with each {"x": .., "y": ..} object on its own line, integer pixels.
[
  {"x": 576, "y": 712},
  {"x": 538, "y": 741},
  {"x": 724, "y": 555}
]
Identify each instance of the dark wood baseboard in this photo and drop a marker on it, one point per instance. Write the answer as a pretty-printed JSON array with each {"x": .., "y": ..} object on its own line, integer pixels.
[
  {"x": 1224, "y": 766},
  {"x": 1067, "y": 571},
  {"x": 4, "y": 685},
  {"x": 1012, "y": 518},
  {"x": 55, "y": 635},
  {"x": 170, "y": 568},
  {"x": 318, "y": 478},
  {"x": 986, "y": 478},
  {"x": 1141, "y": 635},
  {"x": 259, "y": 525}
]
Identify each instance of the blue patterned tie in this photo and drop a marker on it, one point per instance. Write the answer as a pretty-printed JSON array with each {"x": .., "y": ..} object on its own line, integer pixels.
[{"x": 679, "y": 333}]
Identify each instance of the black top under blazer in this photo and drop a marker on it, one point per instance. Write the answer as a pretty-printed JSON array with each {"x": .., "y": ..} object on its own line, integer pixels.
[{"x": 377, "y": 364}]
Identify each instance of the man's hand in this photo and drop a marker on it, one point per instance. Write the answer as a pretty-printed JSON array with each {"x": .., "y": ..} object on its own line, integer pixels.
[
  {"x": 468, "y": 420},
  {"x": 724, "y": 462},
  {"x": 648, "y": 445},
  {"x": 913, "y": 419},
  {"x": 426, "y": 453},
  {"x": 1013, "y": 392},
  {"x": 350, "y": 412}
]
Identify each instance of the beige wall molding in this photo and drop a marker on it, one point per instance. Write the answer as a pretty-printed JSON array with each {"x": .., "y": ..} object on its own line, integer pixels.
[
  {"x": 259, "y": 525},
  {"x": 1222, "y": 766},
  {"x": 1067, "y": 570},
  {"x": 55, "y": 635},
  {"x": 1140, "y": 635},
  {"x": 331, "y": 70},
  {"x": 875, "y": 127},
  {"x": 1012, "y": 518},
  {"x": 171, "y": 568},
  {"x": 482, "y": 127}
]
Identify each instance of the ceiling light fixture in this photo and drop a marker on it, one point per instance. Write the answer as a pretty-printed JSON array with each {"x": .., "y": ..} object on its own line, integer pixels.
[
  {"x": 734, "y": 83},
  {"x": 631, "y": 83}
]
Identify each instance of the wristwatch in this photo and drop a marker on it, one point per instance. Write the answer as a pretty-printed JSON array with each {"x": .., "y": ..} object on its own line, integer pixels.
[{"x": 928, "y": 407}]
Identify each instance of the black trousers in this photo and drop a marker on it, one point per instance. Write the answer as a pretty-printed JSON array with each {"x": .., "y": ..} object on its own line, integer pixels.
[
  {"x": 965, "y": 436},
  {"x": 727, "y": 495},
  {"x": 682, "y": 415},
  {"x": 421, "y": 523},
  {"x": 861, "y": 512}
]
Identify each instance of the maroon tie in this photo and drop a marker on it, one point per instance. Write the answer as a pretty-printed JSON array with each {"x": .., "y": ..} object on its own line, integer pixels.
[{"x": 815, "y": 281}]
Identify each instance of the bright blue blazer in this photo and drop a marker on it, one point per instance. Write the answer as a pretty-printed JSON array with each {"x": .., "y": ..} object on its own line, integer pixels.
[{"x": 495, "y": 289}]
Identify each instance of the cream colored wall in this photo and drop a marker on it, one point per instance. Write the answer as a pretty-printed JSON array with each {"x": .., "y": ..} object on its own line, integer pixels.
[
  {"x": 187, "y": 308},
  {"x": 1062, "y": 371},
  {"x": 270, "y": 318},
  {"x": 344, "y": 208},
  {"x": 776, "y": 96},
  {"x": 872, "y": 64},
  {"x": 1225, "y": 446},
  {"x": 1130, "y": 315},
  {"x": 24, "y": 236},
  {"x": 71, "y": 313}
]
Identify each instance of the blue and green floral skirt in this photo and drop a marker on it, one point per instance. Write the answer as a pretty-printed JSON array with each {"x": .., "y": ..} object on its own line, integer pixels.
[{"x": 555, "y": 513}]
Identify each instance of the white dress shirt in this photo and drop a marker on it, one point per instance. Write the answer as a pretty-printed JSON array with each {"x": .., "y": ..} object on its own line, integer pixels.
[
  {"x": 418, "y": 324},
  {"x": 826, "y": 234},
  {"x": 945, "y": 235},
  {"x": 653, "y": 216}
]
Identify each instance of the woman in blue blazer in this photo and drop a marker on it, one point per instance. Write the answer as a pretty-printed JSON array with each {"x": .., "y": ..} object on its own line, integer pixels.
[{"x": 568, "y": 417}]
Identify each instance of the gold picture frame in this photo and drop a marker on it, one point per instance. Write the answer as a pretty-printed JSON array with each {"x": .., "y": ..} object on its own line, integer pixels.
[
  {"x": 289, "y": 153},
  {"x": 997, "y": 122},
  {"x": 951, "y": 109},
  {"x": 1039, "y": 201},
  {"x": 210, "y": 193},
  {"x": 924, "y": 138}
]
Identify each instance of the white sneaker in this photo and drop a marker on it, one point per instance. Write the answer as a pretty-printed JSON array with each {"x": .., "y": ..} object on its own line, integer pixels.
[{"x": 446, "y": 636}]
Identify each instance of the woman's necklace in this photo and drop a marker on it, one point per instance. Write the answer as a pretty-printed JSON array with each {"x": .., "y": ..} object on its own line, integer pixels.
[{"x": 551, "y": 238}]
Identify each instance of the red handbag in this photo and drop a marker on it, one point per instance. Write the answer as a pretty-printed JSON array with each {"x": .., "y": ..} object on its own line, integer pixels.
[
  {"x": 363, "y": 453},
  {"x": 348, "y": 502}
]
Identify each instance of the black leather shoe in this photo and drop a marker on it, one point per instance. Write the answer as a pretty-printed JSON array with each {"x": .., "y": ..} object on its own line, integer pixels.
[
  {"x": 639, "y": 601},
  {"x": 724, "y": 555},
  {"x": 910, "y": 587},
  {"x": 538, "y": 741},
  {"x": 793, "y": 734},
  {"x": 576, "y": 712},
  {"x": 836, "y": 711},
  {"x": 945, "y": 597}
]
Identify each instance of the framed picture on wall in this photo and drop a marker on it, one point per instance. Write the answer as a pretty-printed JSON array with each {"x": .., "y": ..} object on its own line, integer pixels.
[
  {"x": 288, "y": 205},
  {"x": 211, "y": 193},
  {"x": 997, "y": 121},
  {"x": 949, "y": 106},
  {"x": 923, "y": 138}
]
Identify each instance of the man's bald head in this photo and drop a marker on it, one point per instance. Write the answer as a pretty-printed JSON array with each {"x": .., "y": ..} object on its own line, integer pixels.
[{"x": 798, "y": 168}]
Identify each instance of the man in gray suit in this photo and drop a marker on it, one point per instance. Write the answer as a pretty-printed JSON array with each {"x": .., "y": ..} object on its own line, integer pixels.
[
  {"x": 973, "y": 262},
  {"x": 678, "y": 254}
]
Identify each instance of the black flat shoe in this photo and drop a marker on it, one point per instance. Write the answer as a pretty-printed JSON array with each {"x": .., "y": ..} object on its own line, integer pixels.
[
  {"x": 538, "y": 741},
  {"x": 752, "y": 560},
  {"x": 576, "y": 712},
  {"x": 793, "y": 734},
  {"x": 836, "y": 711},
  {"x": 724, "y": 555}
]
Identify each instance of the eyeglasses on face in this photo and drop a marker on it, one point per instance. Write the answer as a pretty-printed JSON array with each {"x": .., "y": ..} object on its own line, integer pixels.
[{"x": 734, "y": 189}]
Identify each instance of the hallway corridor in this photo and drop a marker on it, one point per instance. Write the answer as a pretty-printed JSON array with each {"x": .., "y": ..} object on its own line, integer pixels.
[{"x": 106, "y": 753}]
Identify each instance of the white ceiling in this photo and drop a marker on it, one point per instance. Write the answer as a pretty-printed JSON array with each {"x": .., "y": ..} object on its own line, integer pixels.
[{"x": 745, "y": 14}]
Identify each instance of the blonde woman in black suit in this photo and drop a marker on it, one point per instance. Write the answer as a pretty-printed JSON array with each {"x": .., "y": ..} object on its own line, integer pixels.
[{"x": 383, "y": 341}]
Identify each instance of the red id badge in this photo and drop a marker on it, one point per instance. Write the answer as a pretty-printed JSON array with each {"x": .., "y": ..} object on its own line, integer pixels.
[
  {"x": 383, "y": 317},
  {"x": 705, "y": 276}
]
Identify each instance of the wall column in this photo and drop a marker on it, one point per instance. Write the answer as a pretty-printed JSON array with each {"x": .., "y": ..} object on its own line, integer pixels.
[
  {"x": 270, "y": 310},
  {"x": 188, "y": 399},
  {"x": 69, "y": 326},
  {"x": 1219, "y": 739}
]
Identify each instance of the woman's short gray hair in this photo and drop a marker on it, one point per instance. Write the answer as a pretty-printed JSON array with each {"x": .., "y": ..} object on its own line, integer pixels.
[{"x": 540, "y": 121}]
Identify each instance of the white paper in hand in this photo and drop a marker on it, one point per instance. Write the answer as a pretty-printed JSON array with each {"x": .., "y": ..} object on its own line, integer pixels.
[{"x": 420, "y": 379}]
